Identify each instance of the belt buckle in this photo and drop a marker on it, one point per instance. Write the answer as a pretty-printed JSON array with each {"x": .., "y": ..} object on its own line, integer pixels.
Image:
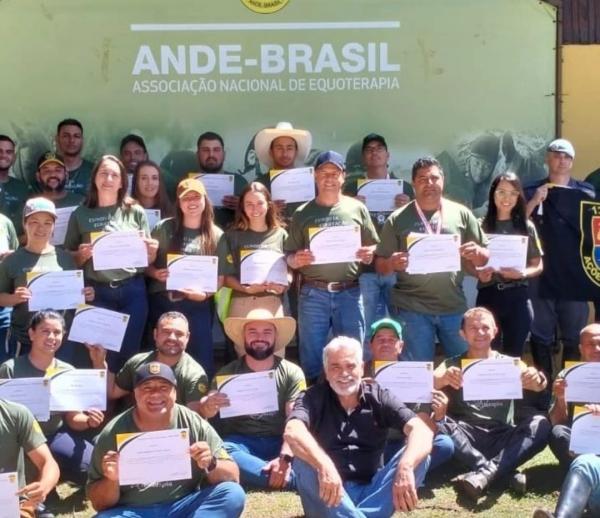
[
  {"x": 114, "y": 284},
  {"x": 175, "y": 296},
  {"x": 332, "y": 287},
  {"x": 501, "y": 286}
]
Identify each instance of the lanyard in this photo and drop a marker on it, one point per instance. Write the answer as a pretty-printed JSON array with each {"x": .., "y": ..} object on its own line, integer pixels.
[{"x": 426, "y": 224}]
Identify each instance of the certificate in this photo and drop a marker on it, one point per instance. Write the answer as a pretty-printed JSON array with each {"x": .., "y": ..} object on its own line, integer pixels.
[
  {"x": 433, "y": 253},
  {"x": 495, "y": 378},
  {"x": 259, "y": 266},
  {"x": 117, "y": 250},
  {"x": 196, "y": 272},
  {"x": 410, "y": 382},
  {"x": 33, "y": 393},
  {"x": 380, "y": 195},
  {"x": 153, "y": 216},
  {"x": 249, "y": 394},
  {"x": 334, "y": 244},
  {"x": 76, "y": 390},
  {"x": 217, "y": 186},
  {"x": 585, "y": 431},
  {"x": 507, "y": 251},
  {"x": 293, "y": 185},
  {"x": 3, "y": 243},
  {"x": 583, "y": 382},
  {"x": 9, "y": 500},
  {"x": 60, "y": 225},
  {"x": 152, "y": 457},
  {"x": 55, "y": 290},
  {"x": 99, "y": 326}
]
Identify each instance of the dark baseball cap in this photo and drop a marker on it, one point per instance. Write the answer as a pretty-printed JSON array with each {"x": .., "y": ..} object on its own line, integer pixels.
[
  {"x": 49, "y": 157},
  {"x": 154, "y": 370},
  {"x": 373, "y": 137},
  {"x": 330, "y": 157}
]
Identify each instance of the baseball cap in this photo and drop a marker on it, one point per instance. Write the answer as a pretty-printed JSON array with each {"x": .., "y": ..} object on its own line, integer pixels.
[
  {"x": 373, "y": 137},
  {"x": 49, "y": 157},
  {"x": 561, "y": 145},
  {"x": 386, "y": 323},
  {"x": 330, "y": 157},
  {"x": 154, "y": 370},
  {"x": 190, "y": 185},
  {"x": 38, "y": 204}
]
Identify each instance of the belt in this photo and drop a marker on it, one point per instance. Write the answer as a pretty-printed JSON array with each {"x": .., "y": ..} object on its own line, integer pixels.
[
  {"x": 115, "y": 284},
  {"x": 501, "y": 286},
  {"x": 331, "y": 287}
]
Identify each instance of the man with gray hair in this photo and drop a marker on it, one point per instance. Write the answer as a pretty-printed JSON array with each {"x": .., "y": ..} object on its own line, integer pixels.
[{"x": 337, "y": 432}]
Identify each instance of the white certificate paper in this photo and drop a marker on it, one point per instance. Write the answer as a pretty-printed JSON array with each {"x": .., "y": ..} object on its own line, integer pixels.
[
  {"x": 507, "y": 251},
  {"x": 334, "y": 244},
  {"x": 380, "y": 195},
  {"x": 60, "y": 225},
  {"x": 433, "y": 253},
  {"x": 33, "y": 393},
  {"x": 217, "y": 186},
  {"x": 9, "y": 500},
  {"x": 249, "y": 394},
  {"x": 293, "y": 185},
  {"x": 585, "y": 431},
  {"x": 55, "y": 290},
  {"x": 197, "y": 272},
  {"x": 259, "y": 266},
  {"x": 410, "y": 382},
  {"x": 495, "y": 378},
  {"x": 152, "y": 457},
  {"x": 117, "y": 250},
  {"x": 153, "y": 216},
  {"x": 99, "y": 326},
  {"x": 77, "y": 390},
  {"x": 583, "y": 382}
]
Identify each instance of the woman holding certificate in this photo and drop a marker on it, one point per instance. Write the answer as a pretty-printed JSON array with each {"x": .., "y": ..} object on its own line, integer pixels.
[
  {"x": 148, "y": 188},
  {"x": 108, "y": 236},
  {"x": 184, "y": 276},
  {"x": 251, "y": 252},
  {"x": 502, "y": 286}
]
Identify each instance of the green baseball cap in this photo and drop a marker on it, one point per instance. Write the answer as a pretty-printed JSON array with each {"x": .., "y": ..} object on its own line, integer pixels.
[{"x": 386, "y": 323}]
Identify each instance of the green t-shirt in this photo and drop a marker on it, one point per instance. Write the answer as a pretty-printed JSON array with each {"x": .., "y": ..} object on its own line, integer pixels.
[
  {"x": 434, "y": 293},
  {"x": 7, "y": 229},
  {"x": 534, "y": 248},
  {"x": 192, "y": 382},
  {"x": 21, "y": 367},
  {"x": 13, "y": 274},
  {"x": 163, "y": 233},
  {"x": 84, "y": 221},
  {"x": 289, "y": 380},
  {"x": 347, "y": 211},
  {"x": 162, "y": 492},
  {"x": 18, "y": 431},
  {"x": 71, "y": 199},
  {"x": 13, "y": 194},
  {"x": 79, "y": 179}
]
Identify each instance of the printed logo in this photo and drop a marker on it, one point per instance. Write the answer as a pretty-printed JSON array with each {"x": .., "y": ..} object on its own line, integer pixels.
[
  {"x": 265, "y": 6},
  {"x": 590, "y": 240}
]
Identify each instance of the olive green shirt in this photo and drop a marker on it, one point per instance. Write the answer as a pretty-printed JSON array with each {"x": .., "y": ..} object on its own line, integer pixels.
[
  {"x": 79, "y": 179},
  {"x": 8, "y": 233},
  {"x": 71, "y": 199},
  {"x": 13, "y": 194}
]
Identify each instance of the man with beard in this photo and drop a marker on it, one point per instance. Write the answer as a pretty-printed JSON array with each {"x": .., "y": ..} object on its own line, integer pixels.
[
  {"x": 51, "y": 176},
  {"x": 69, "y": 144},
  {"x": 256, "y": 441},
  {"x": 171, "y": 336},
  {"x": 13, "y": 192}
]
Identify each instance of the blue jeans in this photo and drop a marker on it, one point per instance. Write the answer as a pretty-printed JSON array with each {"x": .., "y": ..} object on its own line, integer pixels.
[
  {"x": 375, "y": 290},
  {"x": 420, "y": 331},
  {"x": 588, "y": 466},
  {"x": 73, "y": 453},
  {"x": 200, "y": 319},
  {"x": 252, "y": 454},
  {"x": 129, "y": 298},
  {"x": 225, "y": 500},
  {"x": 321, "y": 312},
  {"x": 5, "y": 351},
  {"x": 441, "y": 452},
  {"x": 372, "y": 500}
]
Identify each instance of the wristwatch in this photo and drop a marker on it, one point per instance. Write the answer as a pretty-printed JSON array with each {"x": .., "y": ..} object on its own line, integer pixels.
[
  {"x": 212, "y": 465},
  {"x": 286, "y": 458}
]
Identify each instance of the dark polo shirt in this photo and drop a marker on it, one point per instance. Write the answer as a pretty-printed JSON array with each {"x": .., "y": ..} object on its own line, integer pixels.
[{"x": 354, "y": 441}]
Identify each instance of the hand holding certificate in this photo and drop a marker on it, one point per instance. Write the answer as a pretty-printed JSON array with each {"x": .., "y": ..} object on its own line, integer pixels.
[
  {"x": 410, "y": 382},
  {"x": 152, "y": 457},
  {"x": 55, "y": 290},
  {"x": 193, "y": 272},
  {"x": 494, "y": 378},
  {"x": 585, "y": 431},
  {"x": 507, "y": 251},
  {"x": 334, "y": 244},
  {"x": 78, "y": 390},
  {"x": 262, "y": 266},
  {"x": 33, "y": 393},
  {"x": 118, "y": 250},
  {"x": 9, "y": 498},
  {"x": 380, "y": 195},
  {"x": 433, "y": 253},
  {"x": 249, "y": 394},
  {"x": 99, "y": 326},
  {"x": 217, "y": 186},
  {"x": 293, "y": 185},
  {"x": 583, "y": 382}
]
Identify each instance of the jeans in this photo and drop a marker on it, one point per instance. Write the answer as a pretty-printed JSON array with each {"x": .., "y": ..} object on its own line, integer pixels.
[
  {"x": 129, "y": 298},
  {"x": 72, "y": 451},
  {"x": 560, "y": 437},
  {"x": 372, "y": 500},
  {"x": 420, "y": 330},
  {"x": 200, "y": 319},
  {"x": 441, "y": 452},
  {"x": 252, "y": 454},
  {"x": 321, "y": 312},
  {"x": 225, "y": 500},
  {"x": 375, "y": 291},
  {"x": 588, "y": 466}
]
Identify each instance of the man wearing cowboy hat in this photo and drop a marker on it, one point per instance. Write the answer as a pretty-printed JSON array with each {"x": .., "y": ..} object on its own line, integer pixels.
[
  {"x": 282, "y": 147},
  {"x": 256, "y": 441}
]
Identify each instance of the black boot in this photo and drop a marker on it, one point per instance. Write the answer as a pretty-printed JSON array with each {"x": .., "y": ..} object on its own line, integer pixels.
[
  {"x": 574, "y": 496},
  {"x": 464, "y": 452},
  {"x": 474, "y": 484},
  {"x": 542, "y": 358}
]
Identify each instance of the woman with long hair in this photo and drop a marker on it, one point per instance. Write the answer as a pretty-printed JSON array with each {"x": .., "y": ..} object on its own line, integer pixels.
[
  {"x": 191, "y": 231},
  {"x": 148, "y": 188},
  {"x": 108, "y": 208},
  {"x": 505, "y": 292}
]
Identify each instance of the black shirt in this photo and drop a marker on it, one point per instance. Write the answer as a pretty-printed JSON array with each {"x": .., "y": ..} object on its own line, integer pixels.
[{"x": 354, "y": 441}]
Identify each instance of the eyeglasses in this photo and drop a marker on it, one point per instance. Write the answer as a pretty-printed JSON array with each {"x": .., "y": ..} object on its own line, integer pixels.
[{"x": 506, "y": 194}]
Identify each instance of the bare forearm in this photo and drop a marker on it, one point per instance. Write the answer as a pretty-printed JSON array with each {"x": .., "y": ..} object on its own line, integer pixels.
[
  {"x": 225, "y": 471},
  {"x": 383, "y": 265},
  {"x": 103, "y": 494},
  {"x": 303, "y": 444},
  {"x": 559, "y": 413},
  {"x": 418, "y": 444}
]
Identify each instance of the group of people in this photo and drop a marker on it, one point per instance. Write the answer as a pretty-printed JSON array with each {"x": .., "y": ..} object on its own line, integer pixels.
[{"x": 345, "y": 444}]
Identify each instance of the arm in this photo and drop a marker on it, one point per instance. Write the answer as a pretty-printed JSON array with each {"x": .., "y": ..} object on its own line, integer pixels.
[
  {"x": 105, "y": 492},
  {"x": 21, "y": 294},
  {"x": 559, "y": 411},
  {"x": 224, "y": 469},
  {"x": 48, "y": 471}
]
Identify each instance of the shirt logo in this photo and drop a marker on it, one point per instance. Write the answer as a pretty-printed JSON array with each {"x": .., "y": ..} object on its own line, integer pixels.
[{"x": 265, "y": 6}]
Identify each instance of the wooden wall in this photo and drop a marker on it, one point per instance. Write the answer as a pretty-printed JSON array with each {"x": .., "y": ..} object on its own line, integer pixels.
[{"x": 580, "y": 22}]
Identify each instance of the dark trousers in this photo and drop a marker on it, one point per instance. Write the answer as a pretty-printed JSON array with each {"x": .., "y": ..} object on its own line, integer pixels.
[{"x": 560, "y": 437}]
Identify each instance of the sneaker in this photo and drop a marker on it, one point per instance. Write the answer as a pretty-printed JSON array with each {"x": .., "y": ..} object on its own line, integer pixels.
[
  {"x": 542, "y": 513},
  {"x": 518, "y": 483},
  {"x": 43, "y": 512}
]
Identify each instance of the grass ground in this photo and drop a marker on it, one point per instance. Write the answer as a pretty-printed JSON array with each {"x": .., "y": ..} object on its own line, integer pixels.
[{"x": 437, "y": 501}]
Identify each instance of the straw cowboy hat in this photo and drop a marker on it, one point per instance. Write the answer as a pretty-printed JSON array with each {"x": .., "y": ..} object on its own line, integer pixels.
[
  {"x": 264, "y": 309},
  {"x": 263, "y": 139}
]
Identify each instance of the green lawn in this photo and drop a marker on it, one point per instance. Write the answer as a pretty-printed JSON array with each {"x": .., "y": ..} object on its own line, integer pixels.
[{"x": 544, "y": 479}]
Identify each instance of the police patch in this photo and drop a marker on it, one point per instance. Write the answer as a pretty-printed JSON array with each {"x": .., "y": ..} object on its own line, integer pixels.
[
  {"x": 590, "y": 240},
  {"x": 153, "y": 368}
]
